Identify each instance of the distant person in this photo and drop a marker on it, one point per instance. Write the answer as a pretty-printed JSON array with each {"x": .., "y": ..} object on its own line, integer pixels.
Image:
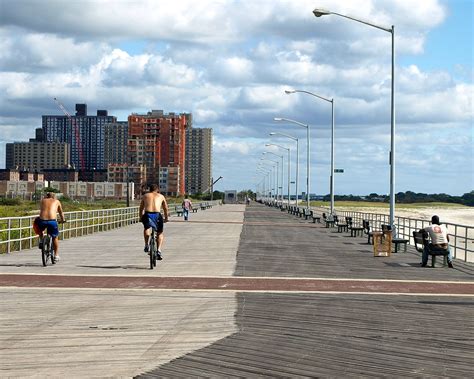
[
  {"x": 439, "y": 239},
  {"x": 187, "y": 206},
  {"x": 247, "y": 200},
  {"x": 150, "y": 215},
  {"x": 49, "y": 209}
]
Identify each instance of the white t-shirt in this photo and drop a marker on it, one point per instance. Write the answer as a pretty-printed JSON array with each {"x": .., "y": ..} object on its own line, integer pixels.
[{"x": 438, "y": 234}]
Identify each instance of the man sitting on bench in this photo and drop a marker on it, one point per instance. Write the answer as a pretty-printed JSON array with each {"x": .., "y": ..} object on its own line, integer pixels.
[{"x": 439, "y": 240}]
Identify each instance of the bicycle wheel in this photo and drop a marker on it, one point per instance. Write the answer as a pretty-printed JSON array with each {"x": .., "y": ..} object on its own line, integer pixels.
[
  {"x": 152, "y": 251},
  {"x": 51, "y": 251},
  {"x": 45, "y": 250}
]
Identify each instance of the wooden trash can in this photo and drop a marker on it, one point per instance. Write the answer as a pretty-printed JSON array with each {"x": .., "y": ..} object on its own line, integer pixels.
[{"x": 382, "y": 243}]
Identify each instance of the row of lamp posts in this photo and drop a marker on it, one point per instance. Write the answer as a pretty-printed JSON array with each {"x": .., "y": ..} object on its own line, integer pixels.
[{"x": 318, "y": 13}]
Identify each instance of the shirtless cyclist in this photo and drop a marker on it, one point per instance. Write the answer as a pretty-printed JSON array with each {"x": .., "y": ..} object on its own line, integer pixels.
[
  {"x": 150, "y": 215},
  {"x": 49, "y": 209}
]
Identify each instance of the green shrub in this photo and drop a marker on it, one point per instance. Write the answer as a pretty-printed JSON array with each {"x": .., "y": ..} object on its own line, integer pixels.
[{"x": 14, "y": 201}]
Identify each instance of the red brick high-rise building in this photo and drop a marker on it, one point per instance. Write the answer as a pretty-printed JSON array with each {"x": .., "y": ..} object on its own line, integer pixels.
[{"x": 158, "y": 141}]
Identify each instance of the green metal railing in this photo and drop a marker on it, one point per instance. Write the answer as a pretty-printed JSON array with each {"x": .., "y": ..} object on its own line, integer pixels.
[{"x": 16, "y": 233}]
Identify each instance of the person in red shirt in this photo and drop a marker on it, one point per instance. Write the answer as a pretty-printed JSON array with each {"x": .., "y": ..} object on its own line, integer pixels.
[{"x": 187, "y": 206}]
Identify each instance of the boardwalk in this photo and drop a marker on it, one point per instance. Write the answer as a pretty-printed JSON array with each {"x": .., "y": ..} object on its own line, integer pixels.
[{"x": 248, "y": 294}]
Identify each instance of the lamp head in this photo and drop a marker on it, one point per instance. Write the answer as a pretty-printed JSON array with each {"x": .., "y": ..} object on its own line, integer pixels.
[
  {"x": 277, "y": 119},
  {"x": 268, "y": 144},
  {"x": 318, "y": 12},
  {"x": 288, "y": 91},
  {"x": 272, "y": 133}
]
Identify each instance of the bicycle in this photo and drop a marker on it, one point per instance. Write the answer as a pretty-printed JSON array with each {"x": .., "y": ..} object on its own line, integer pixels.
[
  {"x": 47, "y": 250},
  {"x": 153, "y": 249}
]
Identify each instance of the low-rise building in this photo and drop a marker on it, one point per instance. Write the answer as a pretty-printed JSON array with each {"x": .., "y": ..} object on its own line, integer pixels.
[
  {"x": 20, "y": 188},
  {"x": 94, "y": 190},
  {"x": 61, "y": 175}
]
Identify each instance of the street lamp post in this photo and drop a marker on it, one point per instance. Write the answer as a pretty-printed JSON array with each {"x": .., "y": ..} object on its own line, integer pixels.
[
  {"x": 308, "y": 179},
  {"x": 281, "y": 173},
  {"x": 266, "y": 175},
  {"x": 271, "y": 177},
  {"x": 276, "y": 177},
  {"x": 289, "y": 169},
  {"x": 331, "y": 176},
  {"x": 297, "y": 160},
  {"x": 322, "y": 12}
]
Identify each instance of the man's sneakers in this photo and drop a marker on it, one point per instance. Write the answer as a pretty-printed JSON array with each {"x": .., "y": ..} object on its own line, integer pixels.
[
  {"x": 57, "y": 258},
  {"x": 158, "y": 252}
]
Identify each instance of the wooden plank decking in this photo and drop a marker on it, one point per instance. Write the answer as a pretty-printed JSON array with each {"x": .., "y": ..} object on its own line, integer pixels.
[{"x": 196, "y": 315}]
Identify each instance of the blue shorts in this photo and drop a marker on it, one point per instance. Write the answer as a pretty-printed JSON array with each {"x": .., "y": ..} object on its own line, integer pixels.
[
  {"x": 153, "y": 220},
  {"x": 50, "y": 225}
]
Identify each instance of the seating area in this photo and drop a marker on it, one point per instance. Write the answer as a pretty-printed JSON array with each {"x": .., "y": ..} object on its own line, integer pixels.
[
  {"x": 178, "y": 209},
  {"x": 359, "y": 228}
]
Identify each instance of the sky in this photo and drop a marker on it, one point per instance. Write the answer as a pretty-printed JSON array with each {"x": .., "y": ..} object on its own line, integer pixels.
[{"x": 228, "y": 62}]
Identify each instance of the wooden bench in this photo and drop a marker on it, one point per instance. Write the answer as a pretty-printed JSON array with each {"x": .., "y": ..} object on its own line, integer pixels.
[
  {"x": 368, "y": 231},
  {"x": 342, "y": 226},
  {"x": 195, "y": 210},
  {"x": 178, "y": 210},
  {"x": 329, "y": 221},
  {"x": 307, "y": 213},
  {"x": 421, "y": 240},
  {"x": 355, "y": 230},
  {"x": 315, "y": 218},
  {"x": 396, "y": 241}
]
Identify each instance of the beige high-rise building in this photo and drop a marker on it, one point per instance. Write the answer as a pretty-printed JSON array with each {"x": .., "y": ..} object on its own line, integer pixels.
[
  {"x": 198, "y": 160},
  {"x": 36, "y": 156}
]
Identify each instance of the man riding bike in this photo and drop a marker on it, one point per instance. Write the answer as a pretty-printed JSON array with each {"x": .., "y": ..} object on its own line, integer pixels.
[
  {"x": 150, "y": 216},
  {"x": 49, "y": 209}
]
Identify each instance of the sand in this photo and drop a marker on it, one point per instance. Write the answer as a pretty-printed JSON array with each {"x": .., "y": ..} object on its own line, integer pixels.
[{"x": 452, "y": 215}]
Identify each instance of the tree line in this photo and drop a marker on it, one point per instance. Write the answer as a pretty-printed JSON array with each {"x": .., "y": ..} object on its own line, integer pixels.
[{"x": 411, "y": 197}]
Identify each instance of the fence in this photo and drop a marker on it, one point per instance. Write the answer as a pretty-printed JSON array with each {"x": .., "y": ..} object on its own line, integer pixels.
[
  {"x": 16, "y": 233},
  {"x": 461, "y": 237}
]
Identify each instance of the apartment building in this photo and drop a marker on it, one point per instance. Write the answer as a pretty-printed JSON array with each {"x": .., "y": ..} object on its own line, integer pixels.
[
  {"x": 115, "y": 143},
  {"x": 124, "y": 172},
  {"x": 85, "y": 134},
  {"x": 37, "y": 156},
  {"x": 198, "y": 160},
  {"x": 157, "y": 141}
]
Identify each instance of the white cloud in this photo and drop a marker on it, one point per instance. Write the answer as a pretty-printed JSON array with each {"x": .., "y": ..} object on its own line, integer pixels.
[{"x": 229, "y": 62}]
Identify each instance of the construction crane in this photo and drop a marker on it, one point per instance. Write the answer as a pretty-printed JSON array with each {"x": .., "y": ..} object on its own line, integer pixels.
[{"x": 75, "y": 130}]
